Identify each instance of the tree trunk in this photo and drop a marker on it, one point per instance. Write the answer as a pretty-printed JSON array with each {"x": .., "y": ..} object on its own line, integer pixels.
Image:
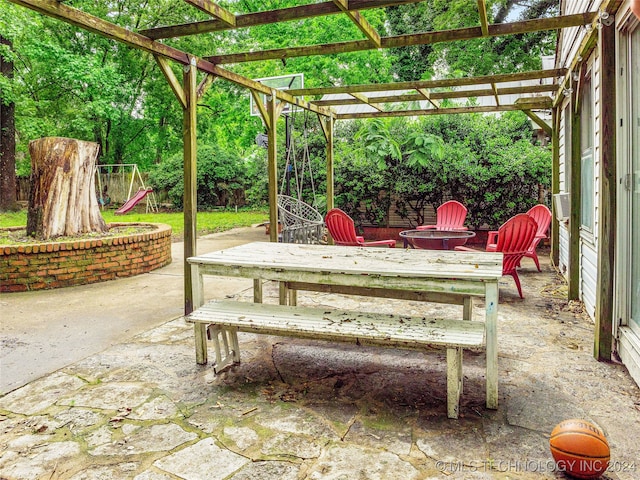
[
  {"x": 62, "y": 201},
  {"x": 8, "y": 195}
]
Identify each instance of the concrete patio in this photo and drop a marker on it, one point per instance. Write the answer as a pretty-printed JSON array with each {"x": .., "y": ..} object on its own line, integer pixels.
[{"x": 103, "y": 384}]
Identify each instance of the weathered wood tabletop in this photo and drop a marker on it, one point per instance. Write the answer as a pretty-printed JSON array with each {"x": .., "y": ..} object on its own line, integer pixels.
[{"x": 447, "y": 272}]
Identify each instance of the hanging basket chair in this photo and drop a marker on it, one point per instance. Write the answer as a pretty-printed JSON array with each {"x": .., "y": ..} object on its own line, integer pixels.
[{"x": 301, "y": 223}]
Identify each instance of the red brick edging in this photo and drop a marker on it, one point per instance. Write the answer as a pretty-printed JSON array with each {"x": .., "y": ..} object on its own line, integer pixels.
[{"x": 64, "y": 264}]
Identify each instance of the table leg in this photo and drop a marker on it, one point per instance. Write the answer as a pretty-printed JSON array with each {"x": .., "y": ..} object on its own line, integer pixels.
[
  {"x": 200, "y": 331},
  {"x": 491, "y": 326},
  {"x": 467, "y": 309},
  {"x": 257, "y": 290},
  {"x": 282, "y": 291},
  {"x": 197, "y": 287}
]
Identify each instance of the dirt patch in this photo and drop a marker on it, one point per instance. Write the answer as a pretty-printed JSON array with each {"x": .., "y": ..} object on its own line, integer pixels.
[{"x": 18, "y": 235}]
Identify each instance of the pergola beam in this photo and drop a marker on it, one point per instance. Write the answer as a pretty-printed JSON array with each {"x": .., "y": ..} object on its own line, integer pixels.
[
  {"x": 542, "y": 103},
  {"x": 266, "y": 17},
  {"x": 425, "y": 38},
  {"x": 215, "y": 10},
  {"x": 433, "y": 97},
  {"x": 60, "y": 11},
  {"x": 444, "y": 83},
  {"x": 540, "y": 122},
  {"x": 494, "y": 89},
  {"x": 172, "y": 80}
]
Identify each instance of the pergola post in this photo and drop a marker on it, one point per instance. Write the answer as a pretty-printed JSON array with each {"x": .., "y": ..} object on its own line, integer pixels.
[
  {"x": 327, "y": 127},
  {"x": 274, "y": 108},
  {"x": 607, "y": 209},
  {"x": 190, "y": 182}
]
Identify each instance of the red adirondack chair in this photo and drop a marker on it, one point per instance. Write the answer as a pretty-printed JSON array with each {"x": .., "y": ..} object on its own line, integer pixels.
[
  {"x": 449, "y": 216},
  {"x": 542, "y": 215},
  {"x": 513, "y": 239},
  {"x": 343, "y": 231}
]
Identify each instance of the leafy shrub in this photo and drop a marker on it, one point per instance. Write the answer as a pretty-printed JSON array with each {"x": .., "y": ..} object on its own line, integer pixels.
[
  {"x": 221, "y": 178},
  {"x": 486, "y": 162}
]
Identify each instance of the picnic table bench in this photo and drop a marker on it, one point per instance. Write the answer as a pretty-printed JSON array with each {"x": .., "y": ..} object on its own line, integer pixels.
[{"x": 387, "y": 273}]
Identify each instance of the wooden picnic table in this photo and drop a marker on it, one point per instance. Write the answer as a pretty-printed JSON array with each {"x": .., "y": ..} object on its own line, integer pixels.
[{"x": 429, "y": 275}]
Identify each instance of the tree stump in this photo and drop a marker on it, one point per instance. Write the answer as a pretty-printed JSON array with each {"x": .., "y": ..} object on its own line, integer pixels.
[{"x": 62, "y": 200}]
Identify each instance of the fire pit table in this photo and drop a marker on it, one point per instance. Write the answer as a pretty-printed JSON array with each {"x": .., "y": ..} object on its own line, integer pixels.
[{"x": 436, "y": 239}]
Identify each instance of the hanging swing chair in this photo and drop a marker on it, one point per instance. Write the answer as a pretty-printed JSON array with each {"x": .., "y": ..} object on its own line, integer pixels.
[{"x": 301, "y": 222}]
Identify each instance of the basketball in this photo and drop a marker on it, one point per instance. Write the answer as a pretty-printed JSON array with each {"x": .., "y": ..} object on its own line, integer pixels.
[{"x": 579, "y": 448}]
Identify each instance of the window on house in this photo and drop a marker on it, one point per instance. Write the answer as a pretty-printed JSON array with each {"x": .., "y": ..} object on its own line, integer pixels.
[{"x": 586, "y": 157}]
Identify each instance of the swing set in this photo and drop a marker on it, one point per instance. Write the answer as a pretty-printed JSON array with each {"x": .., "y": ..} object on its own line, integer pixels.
[{"x": 118, "y": 172}]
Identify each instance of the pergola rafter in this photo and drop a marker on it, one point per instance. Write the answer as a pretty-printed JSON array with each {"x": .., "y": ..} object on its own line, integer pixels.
[
  {"x": 215, "y": 10},
  {"x": 484, "y": 21},
  {"x": 360, "y": 21}
]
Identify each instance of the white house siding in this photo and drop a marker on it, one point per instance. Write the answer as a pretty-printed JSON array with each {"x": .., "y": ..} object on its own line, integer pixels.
[
  {"x": 627, "y": 338},
  {"x": 589, "y": 240},
  {"x": 588, "y": 272},
  {"x": 563, "y": 260},
  {"x": 563, "y": 263},
  {"x": 571, "y": 38},
  {"x": 570, "y": 42}
]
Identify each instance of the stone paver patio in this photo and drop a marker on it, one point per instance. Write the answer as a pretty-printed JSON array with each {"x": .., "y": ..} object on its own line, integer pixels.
[{"x": 294, "y": 409}]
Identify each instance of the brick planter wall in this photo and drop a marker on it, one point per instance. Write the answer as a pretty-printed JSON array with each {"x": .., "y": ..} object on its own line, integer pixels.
[{"x": 68, "y": 263}]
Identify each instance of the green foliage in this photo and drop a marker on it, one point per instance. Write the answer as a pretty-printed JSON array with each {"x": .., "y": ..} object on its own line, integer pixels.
[
  {"x": 72, "y": 83},
  {"x": 472, "y": 57},
  {"x": 380, "y": 144},
  {"x": 221, "y": 178},
  {"x": 486, "y": 162},
  {"x": 362, "y": 186}
]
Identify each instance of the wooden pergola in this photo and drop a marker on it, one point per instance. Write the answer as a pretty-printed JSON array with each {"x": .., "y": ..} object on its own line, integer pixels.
[{"x": 536, "y": 91}]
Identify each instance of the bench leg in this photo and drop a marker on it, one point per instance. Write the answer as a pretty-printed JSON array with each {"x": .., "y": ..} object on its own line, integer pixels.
[
  {"x": 454, "y": 381},
  {"x": 225, "y": 356}
]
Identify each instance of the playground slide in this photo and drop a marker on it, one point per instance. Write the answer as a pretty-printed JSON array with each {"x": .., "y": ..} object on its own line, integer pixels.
[{"x": 133, "y": 201}]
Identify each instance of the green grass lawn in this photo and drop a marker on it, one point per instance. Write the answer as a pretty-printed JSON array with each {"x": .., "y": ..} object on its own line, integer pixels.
[{"x": 207, "y": 222}]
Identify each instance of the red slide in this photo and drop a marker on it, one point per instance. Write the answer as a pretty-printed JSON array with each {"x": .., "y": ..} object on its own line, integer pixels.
[{"x": 133, "y": 201}]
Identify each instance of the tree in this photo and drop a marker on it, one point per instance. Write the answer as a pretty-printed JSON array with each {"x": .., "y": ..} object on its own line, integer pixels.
[
  {"x": 8, "y": 199},
  {"x": 62, "y": 198},
  {"x": 483, "y": 56}
]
